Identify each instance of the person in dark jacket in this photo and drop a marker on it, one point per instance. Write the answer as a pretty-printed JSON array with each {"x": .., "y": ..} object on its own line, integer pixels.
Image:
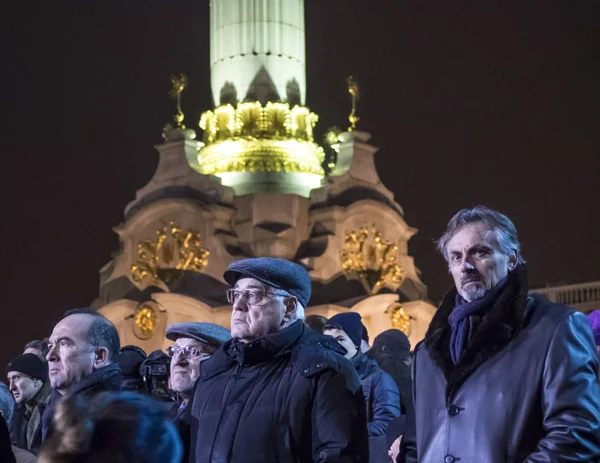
[
  {"x": 381, "y": 393},
  {"x": 501, "y": 376},
  {"x": 82, "y": 355},
  {"x": 194, "y": 343},
  {"x": 278, "y": 391},
  {"x": 391, "y": 351},
  {"x": 28, "y": 381},
  {"x": 7, "y": 409}
]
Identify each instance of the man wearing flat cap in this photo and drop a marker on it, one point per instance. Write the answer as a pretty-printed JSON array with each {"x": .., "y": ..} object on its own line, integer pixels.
[
  {"x": 194, "y": 343},
  {"x": 28, "y": 382},
  {"x": 277, "y": 391}
]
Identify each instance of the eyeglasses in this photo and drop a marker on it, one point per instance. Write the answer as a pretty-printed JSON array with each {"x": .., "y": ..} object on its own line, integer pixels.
[
  {"x": 190, "y": 352},
  {"x": 251, "y": 296}
]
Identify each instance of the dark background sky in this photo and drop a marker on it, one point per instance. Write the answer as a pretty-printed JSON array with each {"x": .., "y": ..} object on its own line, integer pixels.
[{"x": 492, "y": 102}]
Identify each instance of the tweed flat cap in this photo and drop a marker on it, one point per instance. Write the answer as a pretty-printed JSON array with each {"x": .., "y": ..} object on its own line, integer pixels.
[
  {"x": 278, "y": 273},
  {"x": 208, "y": 333}
]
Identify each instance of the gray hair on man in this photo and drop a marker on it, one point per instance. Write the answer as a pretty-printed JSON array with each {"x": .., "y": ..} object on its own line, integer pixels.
[
  {"x": 501, "y": 225},
  {"x": 7, "y": 403}
]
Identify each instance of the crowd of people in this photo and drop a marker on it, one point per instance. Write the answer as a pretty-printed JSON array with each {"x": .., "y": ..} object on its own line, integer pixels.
[{"x": 501, "y": 376}]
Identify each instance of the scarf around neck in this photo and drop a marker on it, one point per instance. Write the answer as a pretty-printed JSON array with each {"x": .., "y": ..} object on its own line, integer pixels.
[{"x": 461, "y": 321}]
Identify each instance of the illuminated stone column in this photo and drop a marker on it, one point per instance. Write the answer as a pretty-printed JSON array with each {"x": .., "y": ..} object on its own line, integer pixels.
[{"x": 257, "y": 51}]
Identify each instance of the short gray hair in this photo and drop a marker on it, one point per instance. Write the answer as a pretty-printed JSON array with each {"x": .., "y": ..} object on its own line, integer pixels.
[
  {"x": 506, "y": 232},
  {"x": 7, "y": 403}
]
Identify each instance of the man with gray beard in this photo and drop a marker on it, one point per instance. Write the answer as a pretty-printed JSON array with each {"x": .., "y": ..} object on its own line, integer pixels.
[{"x": 501, "y": 376}]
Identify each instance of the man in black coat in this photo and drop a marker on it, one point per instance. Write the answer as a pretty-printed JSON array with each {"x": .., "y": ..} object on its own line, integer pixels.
[
  {"x": 501, "y": 376},
  {"x": 28, "y": 382},
  {"x": 380, "y": 391},
  {"x": 278, "y": 391},
  {"x": 83, "y": 350}
]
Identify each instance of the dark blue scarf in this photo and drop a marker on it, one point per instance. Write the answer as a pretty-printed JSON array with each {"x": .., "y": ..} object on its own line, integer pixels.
[{"x": 461, "y": 322}]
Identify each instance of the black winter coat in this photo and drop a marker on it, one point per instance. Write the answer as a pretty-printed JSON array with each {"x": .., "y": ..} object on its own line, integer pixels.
[
  {"x": 382, "y": 401},
  {"x": 286, "y": 397},
  {"x": 107, "y": 378},
  {"x": 524, "y": 390}
]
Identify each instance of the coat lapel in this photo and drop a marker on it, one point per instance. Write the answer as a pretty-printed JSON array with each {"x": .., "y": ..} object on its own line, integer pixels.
[{"x": 498, "y": 327}]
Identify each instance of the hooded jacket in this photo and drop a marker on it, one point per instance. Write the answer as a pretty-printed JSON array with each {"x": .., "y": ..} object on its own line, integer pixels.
[
  {"x": 286, "y": 397},
  {"x": 523, "y": 391},
  {"x": 107, "y": 378}
]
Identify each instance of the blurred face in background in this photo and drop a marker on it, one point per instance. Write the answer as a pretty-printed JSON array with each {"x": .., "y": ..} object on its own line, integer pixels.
[
  {"x": 186, "y": 355},
  {"x": 344, "y": 340}
]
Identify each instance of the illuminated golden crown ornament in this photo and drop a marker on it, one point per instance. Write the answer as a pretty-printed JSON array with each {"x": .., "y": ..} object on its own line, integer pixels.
[
  {"x": 179, "y": 83},
  {"x": 176, "y": 130},
  {"x": 400, "y": 319},
  {"x": 256, "y": 138},
  {"x": 353, "y": 90},
  {"x": 174, "y": 250},
  {"x": 145, "y": 321},
  {"x": 371, "y": 259}
]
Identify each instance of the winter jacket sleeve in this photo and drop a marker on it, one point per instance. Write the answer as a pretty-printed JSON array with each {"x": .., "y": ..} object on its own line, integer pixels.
[
  {"x": 339, "y": 419},
  {"x": 571, "y": 396},
  {"x": 385, "y": 403}
]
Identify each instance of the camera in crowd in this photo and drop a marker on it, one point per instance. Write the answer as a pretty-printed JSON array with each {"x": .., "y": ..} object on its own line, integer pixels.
[{"x": 148, "y": 374}]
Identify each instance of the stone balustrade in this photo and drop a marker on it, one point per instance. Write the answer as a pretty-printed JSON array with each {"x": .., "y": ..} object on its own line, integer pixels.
[{"x": 573, "y": 295}]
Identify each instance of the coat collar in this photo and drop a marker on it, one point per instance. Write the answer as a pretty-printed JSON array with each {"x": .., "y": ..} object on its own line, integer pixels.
[
  {"x": 500, "y": 324},
  {"x": 107, "y": 377}
]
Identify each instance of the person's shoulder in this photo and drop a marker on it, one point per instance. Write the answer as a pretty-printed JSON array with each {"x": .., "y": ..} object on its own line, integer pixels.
[{"x": 538, "y": 306}]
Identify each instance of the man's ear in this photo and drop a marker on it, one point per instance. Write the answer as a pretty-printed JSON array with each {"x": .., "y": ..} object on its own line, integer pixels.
[
  {"x": 100, "y": 358},
  {"x": 512, "y": 260},
  {"x": 291, "y": 303}
]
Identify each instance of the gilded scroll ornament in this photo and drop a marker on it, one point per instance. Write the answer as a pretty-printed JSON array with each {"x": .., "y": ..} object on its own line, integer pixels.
[
  {"x": 399, "y": 318},
  {"x": 145, "y": 321},
  {"x": 371, "y": 259},
  {"x": 174, "y": 250}
]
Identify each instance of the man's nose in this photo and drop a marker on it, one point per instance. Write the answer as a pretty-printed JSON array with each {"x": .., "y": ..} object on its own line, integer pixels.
[
  {"x": 466, "y": 266},
  {"x": 51, "y": 355},
  {"x": 240, "y": 304},
  {"x": 180, "y": 357},
  {"x": 12, "y": 386}
]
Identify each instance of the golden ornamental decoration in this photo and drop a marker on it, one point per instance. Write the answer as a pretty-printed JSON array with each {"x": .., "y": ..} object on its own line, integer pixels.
[
  {"x": 256, "y": 138},
  {"x": 371, "y": 259},
  {"x": 145, "y": 321},
  {"x": 354, "y": 92},
  {"x": 174, "y": 250},
  {"x": 399, "y": 318}
]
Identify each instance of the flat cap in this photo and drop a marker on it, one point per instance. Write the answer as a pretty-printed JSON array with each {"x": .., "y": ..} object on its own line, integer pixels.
[
  {"x": 208, "y": 333},
  {"x": 278, "y": 273}
]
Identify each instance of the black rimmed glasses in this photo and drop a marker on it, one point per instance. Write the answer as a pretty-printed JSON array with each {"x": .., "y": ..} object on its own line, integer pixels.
[
  {"x": 190, "y": 352},
  {"x": 251, "y": 296}
]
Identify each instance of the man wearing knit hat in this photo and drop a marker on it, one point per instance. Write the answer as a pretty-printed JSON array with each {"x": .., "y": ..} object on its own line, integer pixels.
[
  {"x": 380, "y": 390},
  {"x": 28, "y": 381},
  {"x": 277, "y": 391}
]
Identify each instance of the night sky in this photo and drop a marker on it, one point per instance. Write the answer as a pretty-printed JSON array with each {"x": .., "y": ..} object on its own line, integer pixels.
[{"x": 491, "y": 102}]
